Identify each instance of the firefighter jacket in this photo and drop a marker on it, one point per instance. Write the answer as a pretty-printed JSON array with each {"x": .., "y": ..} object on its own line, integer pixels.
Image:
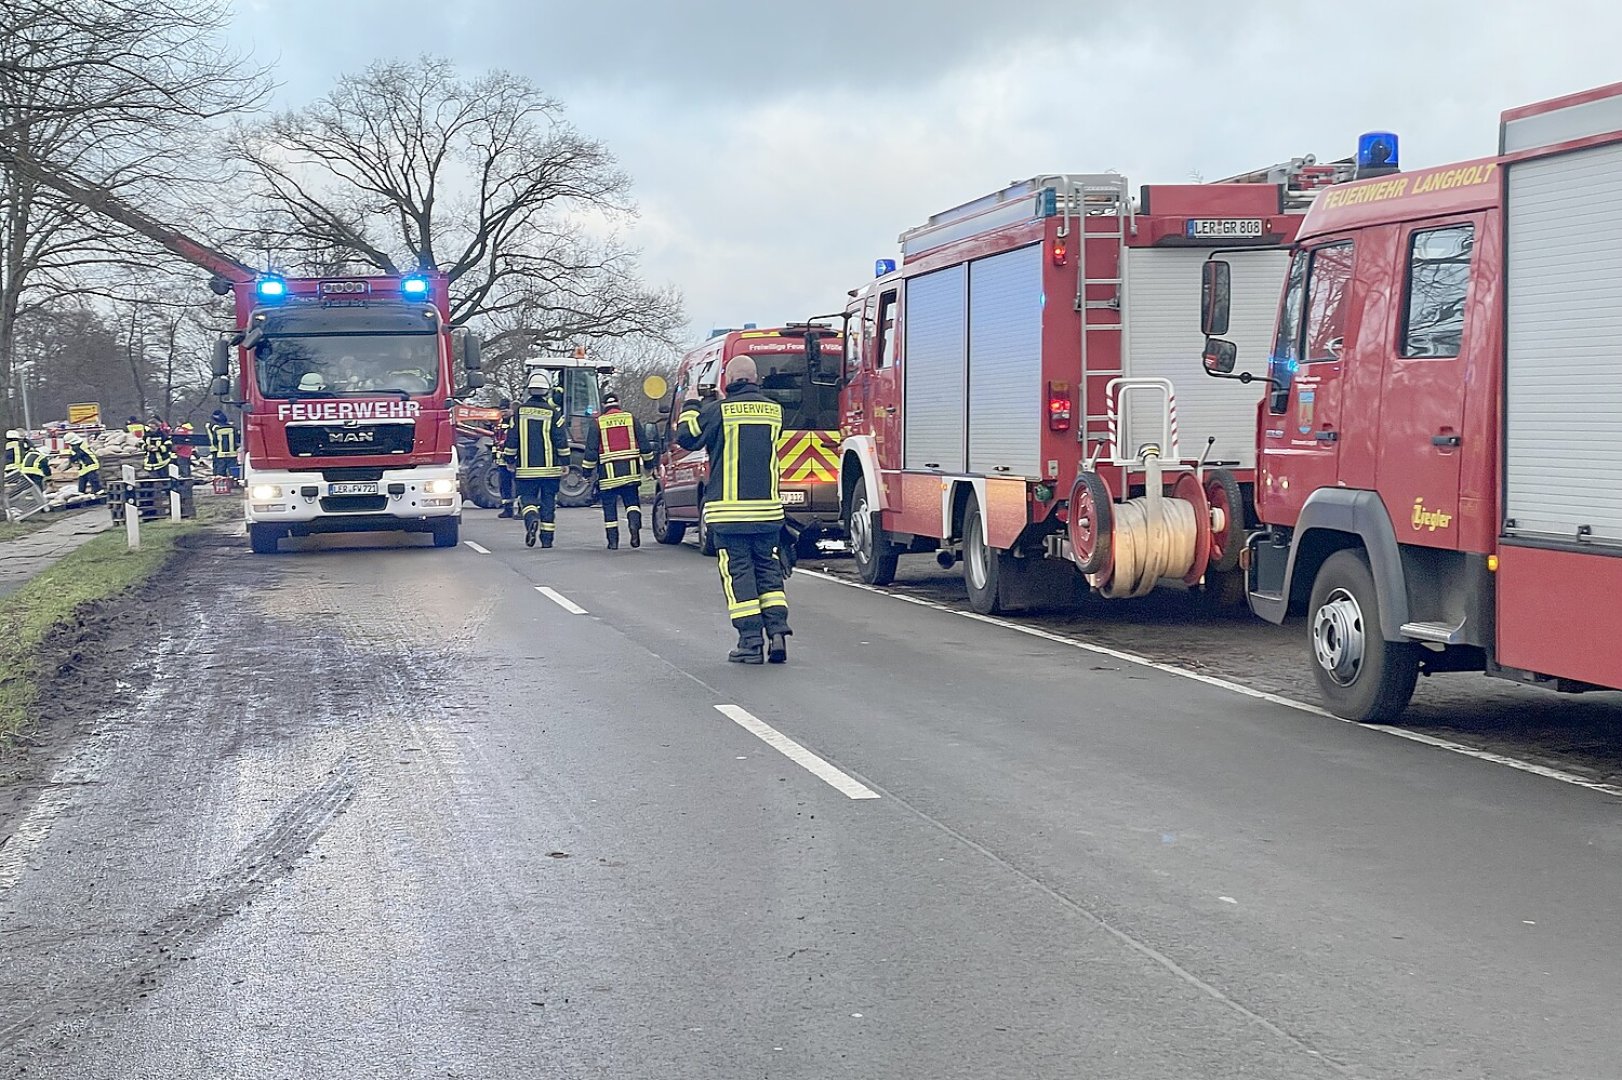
[
  {"x": 222, "y": 440},
  {"x": 159, "y": 448},
  {"x": 34, "y": 464},
  {"x": 539, "y": 440},
  {"x": 740, "y": 433},
  {"x": 14, "y": 454},
  {"x": 498, "y": 450},
  {"x": 84, "y": 459},
  {"x": 614, "y": 445},
  {"x": 136, "y": 428}
]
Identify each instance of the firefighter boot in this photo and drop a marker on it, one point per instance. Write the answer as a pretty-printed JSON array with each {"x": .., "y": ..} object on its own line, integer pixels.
[
  {"x": 634, "y": 517},
  {"x": 777, "y": 650},
  {"x": 532, "y": 525},
  {"x": 613, "y": 538},
  {"x": 747, "y": 652},
  {"x": 506, "y": 510}
]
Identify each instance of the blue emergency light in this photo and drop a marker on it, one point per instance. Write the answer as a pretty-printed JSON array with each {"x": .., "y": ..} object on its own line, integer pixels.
[
  {"x": 270, "y": 287},
  {"x": 883, "y": 266},
  {"x": 1376, "y": 153},
  {"x": 414, "y": 286}
]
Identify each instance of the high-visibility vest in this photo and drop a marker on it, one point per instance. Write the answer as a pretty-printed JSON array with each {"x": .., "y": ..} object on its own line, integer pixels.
[
  {"x": 222, "y": 440},
  {"x": 613, "y": 444},
  {"x": 34, "y": 464},
  {"x": 542, "y": 441}
]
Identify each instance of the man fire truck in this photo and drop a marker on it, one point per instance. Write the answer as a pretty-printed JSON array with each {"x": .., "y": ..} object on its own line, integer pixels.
[
  {"x": 346, "y": 387},
  {"x": 807, "y": 450},
  {"x": 1008, "y": 396},
  {"x": 1440, "y": 439}
]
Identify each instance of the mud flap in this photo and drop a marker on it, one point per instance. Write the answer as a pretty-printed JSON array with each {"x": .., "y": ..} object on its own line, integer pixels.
[{"x": 1039, "y": 583}]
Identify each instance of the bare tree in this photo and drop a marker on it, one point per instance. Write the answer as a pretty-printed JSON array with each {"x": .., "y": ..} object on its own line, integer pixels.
[
  {"x": 408, "y": 166},
  {"x": 115, "y": 94}
]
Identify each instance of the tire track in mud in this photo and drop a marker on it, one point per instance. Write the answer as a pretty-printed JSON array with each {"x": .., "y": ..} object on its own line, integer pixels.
[{"x": 267, "y": 859}]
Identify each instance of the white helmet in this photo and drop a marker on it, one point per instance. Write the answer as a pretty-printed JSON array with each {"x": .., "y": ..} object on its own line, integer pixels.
[
  {"x": 312, "y": 380},
  {"x": 73, "y": 438},
  {"x": 13, "y": 433},
  {"x": 539, "y": 383}
]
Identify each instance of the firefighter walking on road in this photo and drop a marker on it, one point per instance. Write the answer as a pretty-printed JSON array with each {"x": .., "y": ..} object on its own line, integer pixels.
[
  {"x": 742, "y": 507},
  {"x": 539, "y": 442},
  {"x": 614, "y": 447}
]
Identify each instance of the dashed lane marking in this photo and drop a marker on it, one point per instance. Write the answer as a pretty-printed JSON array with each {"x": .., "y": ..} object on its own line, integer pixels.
[
  {"x": 481, "y": 549},
  {"x": 841, "y": 782},
  {"x": 560, "y": 600},
  {"x": 1223, "y": 684}
]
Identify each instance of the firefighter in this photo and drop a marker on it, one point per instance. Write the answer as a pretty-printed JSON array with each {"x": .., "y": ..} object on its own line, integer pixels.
[
  {"x": 159, "y": 449},
  {"x": 14, "y": 450},
  {"x": 539, "y": 442},
  {"x": 136, "y": 428},
  {"x": 222, "y": 444},
  {"x": 613, "y": 442},
  {"x": 81, "y": 457},
  {"x": 503, "y": 457},
  {"x": 33, "y": 464},
  {"x": 742, "y": 507},
  {"x": 184, "y": 450}
]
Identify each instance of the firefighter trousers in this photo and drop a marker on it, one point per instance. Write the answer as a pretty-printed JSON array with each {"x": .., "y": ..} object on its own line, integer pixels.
[
  {"x": 538, "y": 495},
  {"x": 90, "y": 482},
  {"x": 752, "y": 579},
  {"x": 504, "y": 477},
  {"x": 611, "y": 499}
]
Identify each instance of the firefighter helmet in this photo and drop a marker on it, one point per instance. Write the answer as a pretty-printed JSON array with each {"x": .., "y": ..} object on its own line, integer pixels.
[
  {"x": 312, "y": 380},
  {"x": 13, "y": 433},
  {"x": 539, "y": 383},
  {"x": 73, "y": 438}
]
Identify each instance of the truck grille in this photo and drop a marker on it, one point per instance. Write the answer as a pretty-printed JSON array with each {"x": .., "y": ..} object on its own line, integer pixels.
[
  {"x": 353, "y": 504},
  {"x": 338, "y": 440}
]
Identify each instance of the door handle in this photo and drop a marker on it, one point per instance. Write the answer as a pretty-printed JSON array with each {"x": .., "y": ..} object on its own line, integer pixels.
[
  {"x": 1326, "y": 436},
  {"x": 1446, "y": 440}
]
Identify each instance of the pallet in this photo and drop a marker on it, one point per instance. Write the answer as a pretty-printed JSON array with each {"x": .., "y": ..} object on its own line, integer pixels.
[{"x": 151, "y": 499}]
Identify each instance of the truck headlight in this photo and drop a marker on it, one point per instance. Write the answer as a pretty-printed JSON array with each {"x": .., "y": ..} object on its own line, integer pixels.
[
  {"x": 264, "y": 492},
  {"x": 441, "y": 487}
]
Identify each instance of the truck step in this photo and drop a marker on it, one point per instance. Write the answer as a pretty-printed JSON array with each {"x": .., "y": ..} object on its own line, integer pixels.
[{"x": 1440, "y": 633}]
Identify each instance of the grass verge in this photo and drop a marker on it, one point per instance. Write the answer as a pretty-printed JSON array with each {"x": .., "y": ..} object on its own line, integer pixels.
[{"x": 97, "y": 571}]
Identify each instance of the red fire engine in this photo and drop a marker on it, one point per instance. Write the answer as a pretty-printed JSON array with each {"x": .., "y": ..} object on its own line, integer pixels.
[
  {"x": 808, "y": 450},
  {"x": 1440, "y": 441},
  {"x": 346, "y": 386},
  {"x": 1009, "y": 392}
]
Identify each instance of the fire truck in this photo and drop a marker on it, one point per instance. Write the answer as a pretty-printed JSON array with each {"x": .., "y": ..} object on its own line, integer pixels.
[
  {"x": 1440, "y": 438},
  {"x": 807, "y": 450},
  {"x": 1009, "y": 392},
  {"x": 346, "y": 386}
]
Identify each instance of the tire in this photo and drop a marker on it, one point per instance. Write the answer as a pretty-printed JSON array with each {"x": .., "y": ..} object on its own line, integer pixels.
[
  {"x": 484, "y": 482},
  {"x": 1092, "y": 543},
  {"x": 665, "y": 531},
  {"x": 706, "y": 538},
  {"x": 1222, "y": 491},
  {"x": 870, "y": 545},
  {"x": 1361, "y": 676},
  {"x": 263, "y": 539},
  {"x": 1224, "y": 590},
  {"x": 983, "y": 566},
  {"x": 577, "y": 489},
  {"x": 447, "y": 532}
]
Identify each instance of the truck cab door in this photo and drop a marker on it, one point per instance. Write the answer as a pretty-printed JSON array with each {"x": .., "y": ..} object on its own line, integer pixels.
[
  {"x": 1424, "y": 385},
  {"x": 884, "y": 379},
  {"x": 1301, "y": 413}
]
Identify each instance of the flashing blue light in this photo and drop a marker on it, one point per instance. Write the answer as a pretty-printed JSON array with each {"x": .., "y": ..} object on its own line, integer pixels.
[
  {"x": 883, "y": 266},
  {"x": 750, "y": 326},
  {"x": 1377, "y": 150},
  {"x": 270, "y": 287},
  {"x": 414, "y": 286}
]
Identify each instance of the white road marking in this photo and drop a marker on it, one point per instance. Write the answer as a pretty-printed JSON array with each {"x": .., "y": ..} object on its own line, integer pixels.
[
  {"x": 477, "y": 547},
  {"x": 841, "y": 782},
  {"x": 560, "y": 600},
  {"x": 1261, "y": 695}
]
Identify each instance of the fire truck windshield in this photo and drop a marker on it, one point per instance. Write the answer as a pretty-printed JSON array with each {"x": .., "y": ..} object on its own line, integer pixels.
[
  {"x": 806, "y": 405},
  {"x": 337, "y": 365}
]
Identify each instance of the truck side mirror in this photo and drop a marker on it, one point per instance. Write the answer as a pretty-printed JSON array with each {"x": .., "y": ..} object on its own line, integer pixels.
[
  {"x": 472, "y": 358},
  {"x": 653, "y": 437},
  {"x": 1220, "y": 357},
  {"x": 1216, "y": 293},
  {"x": 221, "y": 387},
  {"x": 220, "y": 363}
]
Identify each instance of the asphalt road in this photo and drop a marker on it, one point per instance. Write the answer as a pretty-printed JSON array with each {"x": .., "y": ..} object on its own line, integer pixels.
[{"x": 419, "y": 819}]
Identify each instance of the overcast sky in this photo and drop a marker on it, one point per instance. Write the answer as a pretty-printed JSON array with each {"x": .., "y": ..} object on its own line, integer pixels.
[{"x": 779, "y": 147}]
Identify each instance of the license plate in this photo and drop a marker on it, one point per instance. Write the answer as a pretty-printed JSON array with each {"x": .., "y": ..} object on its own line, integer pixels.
[
  {"x": 353, "y": 489},
  {"x": 792, "y": 498},
  {"x": 1224, "y": 228}
]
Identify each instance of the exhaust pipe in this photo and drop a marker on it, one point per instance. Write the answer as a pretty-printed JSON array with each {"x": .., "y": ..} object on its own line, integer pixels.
[{"x": 946, "y": 559}]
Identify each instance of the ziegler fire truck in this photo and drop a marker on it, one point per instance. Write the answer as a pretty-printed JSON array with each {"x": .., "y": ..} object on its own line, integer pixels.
[
  {"x": 1441, "y": 437},
  {"x": 346, "y": 386},
  {"x": 1008, "y": 395},
  {"x": 808, "y": 449}
]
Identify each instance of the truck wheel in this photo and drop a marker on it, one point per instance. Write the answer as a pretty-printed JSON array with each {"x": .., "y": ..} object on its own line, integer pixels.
[
  {"x": 869, "y": 544},
  {"x": 664, "y": 530},
  {"x": 1223, "y": 590},
  {"x": 706, "y": 538},
  {"x": 484, "y": 482},
  {"x": 1223, "y": 493},
  {"x": 576, "y": 488},
  {"x": 263, "y": 539},
  {"x": 447, "y": 532},
  {"x": 983, "y": 566},
  {"x": 1361, "y": 675},
  {"x": 1092, "y": 525}
]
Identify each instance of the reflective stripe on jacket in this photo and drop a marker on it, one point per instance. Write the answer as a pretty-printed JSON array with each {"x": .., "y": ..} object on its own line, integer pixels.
[{"x": 740, "y": 433}]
